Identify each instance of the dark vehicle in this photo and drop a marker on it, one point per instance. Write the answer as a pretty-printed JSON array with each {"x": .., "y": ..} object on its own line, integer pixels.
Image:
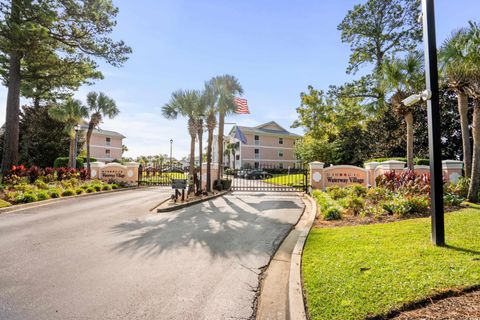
[
  {"x": 258, "y": 175},
  {"x": 177, "y": 170}
]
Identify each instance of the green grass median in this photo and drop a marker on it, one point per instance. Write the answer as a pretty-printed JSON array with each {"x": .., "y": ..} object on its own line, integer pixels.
[{"x": 359, "y": 271}]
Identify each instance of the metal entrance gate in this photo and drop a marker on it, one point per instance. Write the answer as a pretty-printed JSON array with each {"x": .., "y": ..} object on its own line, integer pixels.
[
  {"x": 268, "y": 179},
  {"x": 156, "y": 175}
]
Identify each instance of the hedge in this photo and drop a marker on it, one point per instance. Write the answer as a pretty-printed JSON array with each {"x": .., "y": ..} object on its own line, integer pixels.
[
  {"x": 416, "y": 161},
  {"x": 62, "y": 162}
]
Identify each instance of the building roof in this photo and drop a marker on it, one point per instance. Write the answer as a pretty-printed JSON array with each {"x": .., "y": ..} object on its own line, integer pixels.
[
  {"x": 269, "y": 128},
  {"x": 102, "y": 132}
]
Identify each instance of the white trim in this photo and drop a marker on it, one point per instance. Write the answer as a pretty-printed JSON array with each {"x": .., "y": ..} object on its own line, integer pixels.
[
  {"x": 266, "y": 147},
  {"x": 344, "y": 167},
  {"x": 106, "y": 147}
]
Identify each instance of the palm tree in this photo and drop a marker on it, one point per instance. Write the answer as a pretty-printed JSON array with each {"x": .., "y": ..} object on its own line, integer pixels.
[
  {"x": 71, "y": 112},
  {"x": 455, "y": 72},
  {"x": 470, "y": 44},
  {"x": 186, "y": 103},
  {"x": 210, "y": 101},
  {"x": 229, "y": 150},
  {"x": 226, "y": 87},
  {"x": 99, "y": 106},
  {"x": 404, "y": 77}
]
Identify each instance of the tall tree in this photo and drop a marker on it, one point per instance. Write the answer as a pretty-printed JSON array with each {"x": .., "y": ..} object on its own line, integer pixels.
[
  {"x": 99, "y": 106},
  {"x": 67, "y": 28},
  {"x": 226, "y": 88},
  {"x": 186, "y": 103},
  {"x": 455, "y": 72},
  {"x": 404, "y": 77},
  {"x": 71, "y": 113},
  {"x": 376, "y": 29}
]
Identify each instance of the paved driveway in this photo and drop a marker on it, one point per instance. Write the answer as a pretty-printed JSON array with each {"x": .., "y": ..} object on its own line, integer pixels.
[{"x": 108, "y": 257}]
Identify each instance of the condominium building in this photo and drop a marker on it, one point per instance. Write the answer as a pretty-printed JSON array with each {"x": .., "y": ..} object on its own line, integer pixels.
[
  {"x": 267, "y": 145},
  {"x": 106, "y": 145}
]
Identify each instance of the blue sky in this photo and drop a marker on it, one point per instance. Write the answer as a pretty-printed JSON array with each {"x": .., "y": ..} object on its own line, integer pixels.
[{"x": 276, "y": 48}]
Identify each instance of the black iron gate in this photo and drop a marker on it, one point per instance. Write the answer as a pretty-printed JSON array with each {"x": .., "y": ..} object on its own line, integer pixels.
[
  {"x": 268, "y": 179},
  {"x": 156, "y": 175}
]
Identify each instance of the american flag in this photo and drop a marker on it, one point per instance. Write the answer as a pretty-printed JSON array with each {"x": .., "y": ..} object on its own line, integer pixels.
[{"x": 242, "y": 106}]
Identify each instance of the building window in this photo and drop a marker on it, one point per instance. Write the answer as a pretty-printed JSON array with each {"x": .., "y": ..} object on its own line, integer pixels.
[
  {"x": 280, "y": 165},
  {"x": 280, "y": 154},
  {"x": 257, "y": 153},
  {"x": 257, "y": 140},
  {"x": 107, "y": 141},
  {"x": 107, "y": 153},
  {"x": 280, "y": 140},
  {"x": 257, "y": 165},
  {"x": 237, "y": 157}
]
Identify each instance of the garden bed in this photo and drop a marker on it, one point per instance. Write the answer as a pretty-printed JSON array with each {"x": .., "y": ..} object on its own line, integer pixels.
[
  {"x": 26, "y": 185},
  {"x": 367, "y": 271}
]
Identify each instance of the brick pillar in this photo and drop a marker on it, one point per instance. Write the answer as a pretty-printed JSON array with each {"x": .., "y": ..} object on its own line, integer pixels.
[
  {"x": 452, "y": 170},
  {"x": 316, "y": 175},
  {"x": 213, "y": 175},
  {"x": 132, "y": 172},
  {"x": 371, "y": 166},
  {"x": 96, "y": 169}
]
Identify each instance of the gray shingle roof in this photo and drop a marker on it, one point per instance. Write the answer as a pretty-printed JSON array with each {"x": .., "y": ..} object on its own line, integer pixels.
[{"x": 261, "y": 130}]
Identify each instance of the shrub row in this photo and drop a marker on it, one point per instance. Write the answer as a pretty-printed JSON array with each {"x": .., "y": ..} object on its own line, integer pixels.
[
  {"x": 416, "y": 161},
  {"x": 63, "y": 162}
]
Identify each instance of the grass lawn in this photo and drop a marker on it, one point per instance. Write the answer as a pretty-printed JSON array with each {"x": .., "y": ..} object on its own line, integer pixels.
[
  {"x": 354, "y": 272},
  {"x": 296, "y": 179}
]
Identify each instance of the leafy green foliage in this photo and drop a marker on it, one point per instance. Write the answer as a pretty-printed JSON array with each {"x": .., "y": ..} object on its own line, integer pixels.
[{"x": 68, "y": 193}]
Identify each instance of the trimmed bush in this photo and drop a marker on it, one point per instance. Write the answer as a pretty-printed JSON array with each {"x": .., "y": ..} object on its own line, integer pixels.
[
  {"x": 336, "y": 192},
  {"x": 332, "y": 213},
  {"x": 62, "y": 162},
  {"x": 90, "y": 190},
  {"x": 40, "y": 184},
  {"x": 68, "y": 193},
  {"x": 54, "y": 192},
  {"x": 106, "y": 187},
  {"x": 42, "y": 195},
  {"x": 114, "y": 186},
  {"x": 97, "y": 187},
  {"x": 416, "y": 161},
  {"x": 79, "y": 191},
  {"x": 26, "y": 197}
]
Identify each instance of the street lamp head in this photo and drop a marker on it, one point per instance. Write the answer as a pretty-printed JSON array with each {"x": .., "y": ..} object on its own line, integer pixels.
[
  {"x": 77, "y": 127},
  {"x": 171, "y": 140}
]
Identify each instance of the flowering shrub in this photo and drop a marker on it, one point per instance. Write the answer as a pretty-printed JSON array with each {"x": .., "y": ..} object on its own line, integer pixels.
[
  {"x": 406, "y": 182},
  {"x": 19, "y": 174}
]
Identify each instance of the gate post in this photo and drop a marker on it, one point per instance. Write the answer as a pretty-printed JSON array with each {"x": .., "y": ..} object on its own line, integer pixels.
[
  {"x": 371, "y": 166},
  {"x": 316, "y": 174}
]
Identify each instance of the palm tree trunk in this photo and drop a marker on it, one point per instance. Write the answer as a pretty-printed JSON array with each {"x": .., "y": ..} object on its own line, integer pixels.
[
  {"x": 475, "y": 177},
  {"x": 71, "y": 152},
  {"x": 89, "y": 136},
  {"x": 221, "y": 128},
  {"x": 200, "y": 153},
  {"x": 193, "y": 135},
  {"x": 209, "y": 160},
  {"x": 409, "y": 122},
  {"x": 467, "y": 149},
  {"x": 12, "y": 121},
  {"x": 192, "y": 164}
]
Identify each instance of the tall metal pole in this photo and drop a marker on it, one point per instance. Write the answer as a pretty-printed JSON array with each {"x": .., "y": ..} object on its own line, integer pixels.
[
  {"x": 433, "y": 110},
  {"x": 171, "y": 146}
]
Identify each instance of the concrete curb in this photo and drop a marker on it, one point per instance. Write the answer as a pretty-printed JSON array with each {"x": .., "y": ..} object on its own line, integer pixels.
[
  {"x": 188, "y": 204},
  {"x": 20, "y": 207},
  {"x": 296, "y": 304}
]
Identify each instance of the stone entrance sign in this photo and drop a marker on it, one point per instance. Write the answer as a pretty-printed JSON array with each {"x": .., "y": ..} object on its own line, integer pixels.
[
  {"x": 344, "y": 175},
  {"x": 117, "y": 172}
]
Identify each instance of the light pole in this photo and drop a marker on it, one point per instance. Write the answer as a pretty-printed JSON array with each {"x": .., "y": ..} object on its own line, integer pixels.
[
  {"x": 74, "y": 162},
  {"x": 433, "y": 109},
  {"x": 171, "y": 146}
]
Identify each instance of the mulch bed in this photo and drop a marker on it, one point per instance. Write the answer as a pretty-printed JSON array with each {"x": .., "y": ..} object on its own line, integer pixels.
[{"x": 462, "y": 307}]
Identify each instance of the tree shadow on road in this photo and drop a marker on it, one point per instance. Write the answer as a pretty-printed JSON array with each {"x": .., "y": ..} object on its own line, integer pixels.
[{"x": 226, "y": 226}]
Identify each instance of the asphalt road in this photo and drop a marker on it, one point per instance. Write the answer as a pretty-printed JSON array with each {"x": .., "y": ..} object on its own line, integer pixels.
[{"x": 108, "y": 257}]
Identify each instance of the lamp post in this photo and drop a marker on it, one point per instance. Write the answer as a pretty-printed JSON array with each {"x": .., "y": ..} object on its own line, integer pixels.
[
  {"x": 74, "y": 162},
  {"x": 433, "y": 109},
  {"x": 171, "y": 146}
]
